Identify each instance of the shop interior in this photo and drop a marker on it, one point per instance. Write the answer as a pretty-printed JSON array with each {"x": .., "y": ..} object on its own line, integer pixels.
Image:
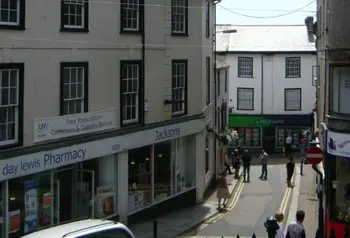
[{"x": 296, "y": 134}]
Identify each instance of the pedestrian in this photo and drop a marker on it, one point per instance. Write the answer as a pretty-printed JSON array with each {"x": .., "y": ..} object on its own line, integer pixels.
[
  {"x": 279, "y": 217},
  {"x": 290, "y": 171},
  {"x": 296, "y": 229},
  {"x": 246, "y": 159},
  {"x": 289, "y": 141},
  {"x": 302, "y": 145},
  {"x": 227, "y": 165},
  {"x": 222, "y": 190},
  {"x": 264, "y": 159}
]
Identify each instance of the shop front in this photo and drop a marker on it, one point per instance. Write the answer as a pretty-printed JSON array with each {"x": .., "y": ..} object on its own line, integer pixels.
[
  {"x": 115, "y": 177},
  {"x": 269, "y": 131},
  {"x": 337, "y": 182}
]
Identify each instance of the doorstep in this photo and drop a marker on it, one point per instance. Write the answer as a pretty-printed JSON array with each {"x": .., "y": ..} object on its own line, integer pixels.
[{"x": 177, "y": 222}]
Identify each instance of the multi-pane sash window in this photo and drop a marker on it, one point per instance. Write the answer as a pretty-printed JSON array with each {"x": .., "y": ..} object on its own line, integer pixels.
[
  {"x": 208, "y": 72},
  {"x": 9, "y": 12},
  {"x": 179, "y": 15},
  {"x": 130, "y": 14},
  {"x": 74, "y": 86},
  {"x": 10, "y": 104},
  {"x": 179, "y": 86},
  {"x": 245, "y": 99},
  {"x": 340, "y": 89},
  {"x": 292, "y": 99},
  {"x": 245, "y": 67},
  {"x": 292, "y": 67},
  {"x": 130, "y": 92},
  {"x": 207, "y": 19},
  {"x": 74, "y": 15}
]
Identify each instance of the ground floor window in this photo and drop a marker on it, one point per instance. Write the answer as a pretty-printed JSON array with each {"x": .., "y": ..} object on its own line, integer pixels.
[
  {"x": 173, "y": 164},
  {"x": 248, "y": 137},
  {"x": 2, "y": 211},
  {"x": 340, "y": 189},
  {"x": 294, "y": 132}
]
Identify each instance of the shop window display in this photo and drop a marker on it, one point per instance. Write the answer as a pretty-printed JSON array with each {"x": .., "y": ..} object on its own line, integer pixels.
[
  {"x": 164, "y": 158},
  {"x": 296, "y": 133},
  {"x": 341, "y": 190},
  {"x": 140, "y": 178},
  {"x": 30, "y": 202},
  {"x": 248, "y": 137},
  {"x": 2, "y": 211}
]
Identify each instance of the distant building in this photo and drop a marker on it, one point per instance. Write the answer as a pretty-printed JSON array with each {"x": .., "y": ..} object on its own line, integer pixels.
[{"x": 271, "y": 93}]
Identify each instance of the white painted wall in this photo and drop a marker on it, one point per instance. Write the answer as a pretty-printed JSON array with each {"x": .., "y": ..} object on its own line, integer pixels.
[
  {"x": 273, "y": 83},
  {"x": 42, "y": 47}
]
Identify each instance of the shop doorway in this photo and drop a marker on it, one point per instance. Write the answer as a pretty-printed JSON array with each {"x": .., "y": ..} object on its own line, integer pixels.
[
  {"x": 269, "y": 134},
  {"x": 85, "y": 202}
]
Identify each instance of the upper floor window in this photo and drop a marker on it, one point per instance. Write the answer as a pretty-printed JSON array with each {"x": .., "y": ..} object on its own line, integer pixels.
[
  {"x": 293, "y": 67},
  {"x": 74, "y": 87},
  {"x": 131, "y": 101},
  {"x": 130, "y": 16},
  {"x": 245, "y": 67},
  {"x": 12, "y": 14},
  {"x": 226, "y": 79},
  {"x": 208, "y": 72},
  {"x": 11, "y": 104},
  {"x": 340, "y": 89},
  {"x": 179, "y": 17},
  {"x": 218, "y": 86},
  {"x": 179, "y": 87},
  {"x": 245, "y": 98},
  {"x": 207, "y": 19},
  {"x": 292, "y": 99},
  {"x": 75, "y": 15}
]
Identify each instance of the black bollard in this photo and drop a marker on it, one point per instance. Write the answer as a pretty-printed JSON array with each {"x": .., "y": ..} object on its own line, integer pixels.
[
  {"x": 155, "y": 221},
  {"x": 271, "y": 226}
]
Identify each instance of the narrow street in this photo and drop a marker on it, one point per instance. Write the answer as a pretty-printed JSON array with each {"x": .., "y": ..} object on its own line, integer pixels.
[{"x": 257, "y": 201}]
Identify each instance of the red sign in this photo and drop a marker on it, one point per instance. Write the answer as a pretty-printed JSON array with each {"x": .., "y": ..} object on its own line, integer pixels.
[{"x": 314, "y": 155}]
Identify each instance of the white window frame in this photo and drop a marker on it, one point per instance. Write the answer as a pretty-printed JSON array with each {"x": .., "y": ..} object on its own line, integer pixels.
[
  {"x": 293, "y": 67},
  {"x": 339, "y": 84},
  {"x": 16, "y": 105},
  {"x": 127, "y": 7},
  {"x": 176, "y": 8},
  {"x": 287, "y": 106},
  {"x": 8, "y": 23},
  {"x": 132, "y": 92},
  {"x": 77, "y": 98},
  {"x": 177, "y": 79},
  {"x": 75, "y": 2},
  {"x": 245, "y": 67},
  {"x": 240, "y": 99}
]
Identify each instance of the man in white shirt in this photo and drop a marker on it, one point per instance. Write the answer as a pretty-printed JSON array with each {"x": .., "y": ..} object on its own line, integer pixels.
[{"x": 289, "y": 145}]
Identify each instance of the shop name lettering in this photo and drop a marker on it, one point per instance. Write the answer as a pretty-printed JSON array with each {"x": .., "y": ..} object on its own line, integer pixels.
[
  {"x": 48, "y": 160},
  {"x": 279, "y": 122},
  {"x": 167, "y": 133}
]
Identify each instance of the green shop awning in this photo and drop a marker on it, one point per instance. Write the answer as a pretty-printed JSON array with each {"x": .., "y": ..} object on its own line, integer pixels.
[{"x": 270, "y": 120}]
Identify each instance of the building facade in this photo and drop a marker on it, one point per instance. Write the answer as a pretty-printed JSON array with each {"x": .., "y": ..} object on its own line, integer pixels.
[
  {"x": 110, "y": 117},
  {"x": 331, "y": 80},
  {"x": 271, "y": 91}
]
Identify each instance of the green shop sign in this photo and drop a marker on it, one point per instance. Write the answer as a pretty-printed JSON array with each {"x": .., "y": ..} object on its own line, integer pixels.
[{"x": 269, "y": 120}]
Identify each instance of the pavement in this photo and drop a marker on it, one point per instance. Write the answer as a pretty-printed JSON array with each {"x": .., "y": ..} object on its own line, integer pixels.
[{"x": 174, "y": 223}]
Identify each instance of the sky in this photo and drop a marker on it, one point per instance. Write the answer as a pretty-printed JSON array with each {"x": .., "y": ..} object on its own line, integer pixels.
[{"x": 261, "y": 11}]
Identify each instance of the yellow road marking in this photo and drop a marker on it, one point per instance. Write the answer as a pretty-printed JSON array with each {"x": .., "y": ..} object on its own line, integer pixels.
[{"x": 285, "y": 198}]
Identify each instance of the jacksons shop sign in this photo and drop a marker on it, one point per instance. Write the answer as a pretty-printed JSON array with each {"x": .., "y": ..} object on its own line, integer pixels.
[{"x": 269, "y": 120}]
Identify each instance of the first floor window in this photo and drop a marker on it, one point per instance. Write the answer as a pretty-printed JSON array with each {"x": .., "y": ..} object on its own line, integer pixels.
[
  {"x": 130, "y": 15},
  {"x": 295, "y": 133},
  {"x": 130, "y": 91},
  {"x": 208, "y": 84},
  {"x": 245, "y": 98},
  {"x": 74, "y": 15},
  {"x": 179, "y": 15},
  {"x": 248, "y": 136},
  {"x": 245, "y": 67},
  {"x": 340, "y": 89},
  {"x": 293, "y": 67},
  {"x": 292, "y": 99},
  {"x": 179, "y": 86},
  {"x": 207, "y": 152},
  {"x": 74, "y": 87},
  {"x": 12, "y": 13},
  {"x": 11, "y": 102}
]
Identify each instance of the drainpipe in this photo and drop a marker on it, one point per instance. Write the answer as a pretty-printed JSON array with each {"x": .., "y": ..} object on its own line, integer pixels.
[
  {"x": 143, "y": 56},
  {"x": 262, "y": 83}
]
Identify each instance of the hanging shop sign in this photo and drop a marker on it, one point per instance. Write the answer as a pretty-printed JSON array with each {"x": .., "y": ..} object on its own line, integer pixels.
[{"x": 338, "y": 144}]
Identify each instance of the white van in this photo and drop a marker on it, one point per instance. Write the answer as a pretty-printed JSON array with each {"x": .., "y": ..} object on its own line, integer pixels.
[{"x": 85, "y": 229}]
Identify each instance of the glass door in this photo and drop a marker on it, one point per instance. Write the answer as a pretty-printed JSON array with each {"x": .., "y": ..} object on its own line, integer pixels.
[{"x": 85, "y": 192}]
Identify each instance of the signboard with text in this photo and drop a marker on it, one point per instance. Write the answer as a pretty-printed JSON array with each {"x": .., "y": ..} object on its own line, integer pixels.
[
  {"x": 338, "y": 144},
  {"x": 72, "y": 125}
]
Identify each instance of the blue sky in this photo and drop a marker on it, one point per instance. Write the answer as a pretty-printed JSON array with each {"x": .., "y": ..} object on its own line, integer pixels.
[{"x": 263, "y": 8}]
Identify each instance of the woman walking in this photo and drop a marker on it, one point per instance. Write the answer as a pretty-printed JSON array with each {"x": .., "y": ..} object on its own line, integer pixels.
[{"x": 222, "y": 191}]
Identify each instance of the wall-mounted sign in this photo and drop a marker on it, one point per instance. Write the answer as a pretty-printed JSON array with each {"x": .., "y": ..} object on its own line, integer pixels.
[
  {"x": 270, "y": 120},
  {"x": 338, "y": 144},
  {"x": 72, "y": 125}
]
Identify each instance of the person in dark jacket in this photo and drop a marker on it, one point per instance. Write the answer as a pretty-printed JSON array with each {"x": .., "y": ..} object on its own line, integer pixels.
[
  {"x": 290, "y": 171},
  {"x": 246, "y": 159}
]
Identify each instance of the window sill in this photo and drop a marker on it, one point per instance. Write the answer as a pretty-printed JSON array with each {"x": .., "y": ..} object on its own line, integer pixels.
[
  {"x": 293, "y": 77},
  {"x": 241, "y": 109},
  {"x": 245, "y": 77},
  {"x": 178, "y": 115},
  {"x": 130, "y": 124},
  {"x": 81, "y": 30},
  {"x": 130, "y": 32},
  {"x": 292, "y": 110},
  {"x": 11, "y": 146},
  {"x": 345, "y": 117},
  {"x": 13, "y": 27},
  {"x": 179, "y": 34}
]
